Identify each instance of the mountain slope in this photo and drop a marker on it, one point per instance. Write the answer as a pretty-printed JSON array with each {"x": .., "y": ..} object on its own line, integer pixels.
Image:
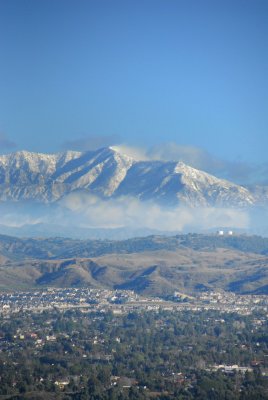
[
  {"x": 154, "y": 265},
  {"x": 155, "y": 273},
  {"x": 109, "y": 174},
  {"x": 61, "y": 248}
]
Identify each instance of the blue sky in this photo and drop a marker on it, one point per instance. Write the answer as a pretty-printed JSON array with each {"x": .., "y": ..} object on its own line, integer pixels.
[{"x": 193, "y": 73}]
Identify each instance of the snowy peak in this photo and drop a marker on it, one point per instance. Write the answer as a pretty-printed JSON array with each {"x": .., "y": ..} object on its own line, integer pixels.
[
  {"x": 31, "y": 168},
  {"x": 221, "y": 191},
  {"x": 107, "y": 172}
]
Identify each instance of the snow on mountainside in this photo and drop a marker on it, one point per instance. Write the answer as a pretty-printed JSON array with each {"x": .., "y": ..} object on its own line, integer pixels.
[{"x": 108, "y": 173}]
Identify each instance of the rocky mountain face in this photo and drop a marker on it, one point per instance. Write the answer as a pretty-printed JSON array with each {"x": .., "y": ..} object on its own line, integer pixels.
[{"x": 109, "y": 174}]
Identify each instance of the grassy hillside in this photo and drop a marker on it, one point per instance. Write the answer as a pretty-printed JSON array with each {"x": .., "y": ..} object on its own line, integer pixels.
[{"x": 154, "y": 265}]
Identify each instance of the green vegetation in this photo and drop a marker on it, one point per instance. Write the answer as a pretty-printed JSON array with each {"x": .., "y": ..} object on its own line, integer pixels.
[{"x": 153, "y": 355}]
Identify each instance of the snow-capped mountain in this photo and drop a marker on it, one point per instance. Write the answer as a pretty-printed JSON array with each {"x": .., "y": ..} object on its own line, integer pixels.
[{"x": 107, "y": 173}]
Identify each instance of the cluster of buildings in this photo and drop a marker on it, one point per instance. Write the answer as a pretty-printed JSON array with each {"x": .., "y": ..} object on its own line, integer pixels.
[
  {"x": 227, "y": 233},
  {"x": 124, "y": 301},
  {"x": 231, "y": 302}
]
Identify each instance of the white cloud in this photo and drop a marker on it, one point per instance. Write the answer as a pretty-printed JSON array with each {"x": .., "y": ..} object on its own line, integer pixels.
[
  {"x": 17, "y": 220},
  {"x": 85, "y": 211},
  {"x": 133, "y": 213},
  {"x": 138, "y": 153}
]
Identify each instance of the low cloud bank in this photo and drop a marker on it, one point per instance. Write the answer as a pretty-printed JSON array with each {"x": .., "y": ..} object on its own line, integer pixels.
[
  {"x": 134, "y": 213},
  {"x": 82, "y": 211}
]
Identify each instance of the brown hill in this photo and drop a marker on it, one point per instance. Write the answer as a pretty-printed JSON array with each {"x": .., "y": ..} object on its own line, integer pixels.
[{"x": 157, "y": 272}]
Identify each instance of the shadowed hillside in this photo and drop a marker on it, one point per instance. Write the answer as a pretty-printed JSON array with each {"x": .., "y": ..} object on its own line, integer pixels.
[{"x": 153, "y": 265}]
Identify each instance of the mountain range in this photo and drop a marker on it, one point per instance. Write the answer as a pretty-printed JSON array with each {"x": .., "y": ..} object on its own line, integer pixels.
[
  {"x": 154, "y": 265},
  {"x": 107, "y": 173}
]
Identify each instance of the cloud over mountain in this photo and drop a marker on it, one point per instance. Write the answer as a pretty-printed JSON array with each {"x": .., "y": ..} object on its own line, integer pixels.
[
  {"x": 240, "y": 172},
  {"x": 109, "y": 173},
  {"x": 84, "y": 211}
]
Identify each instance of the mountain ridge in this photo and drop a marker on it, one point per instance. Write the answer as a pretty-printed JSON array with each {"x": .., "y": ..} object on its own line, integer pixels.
[
  {"x": 108, "y": 173},
  {"x": 154, "y": 265}
]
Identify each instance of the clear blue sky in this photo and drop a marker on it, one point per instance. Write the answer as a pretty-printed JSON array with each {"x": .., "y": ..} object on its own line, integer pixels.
[{"x": 148, "y": 71}]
